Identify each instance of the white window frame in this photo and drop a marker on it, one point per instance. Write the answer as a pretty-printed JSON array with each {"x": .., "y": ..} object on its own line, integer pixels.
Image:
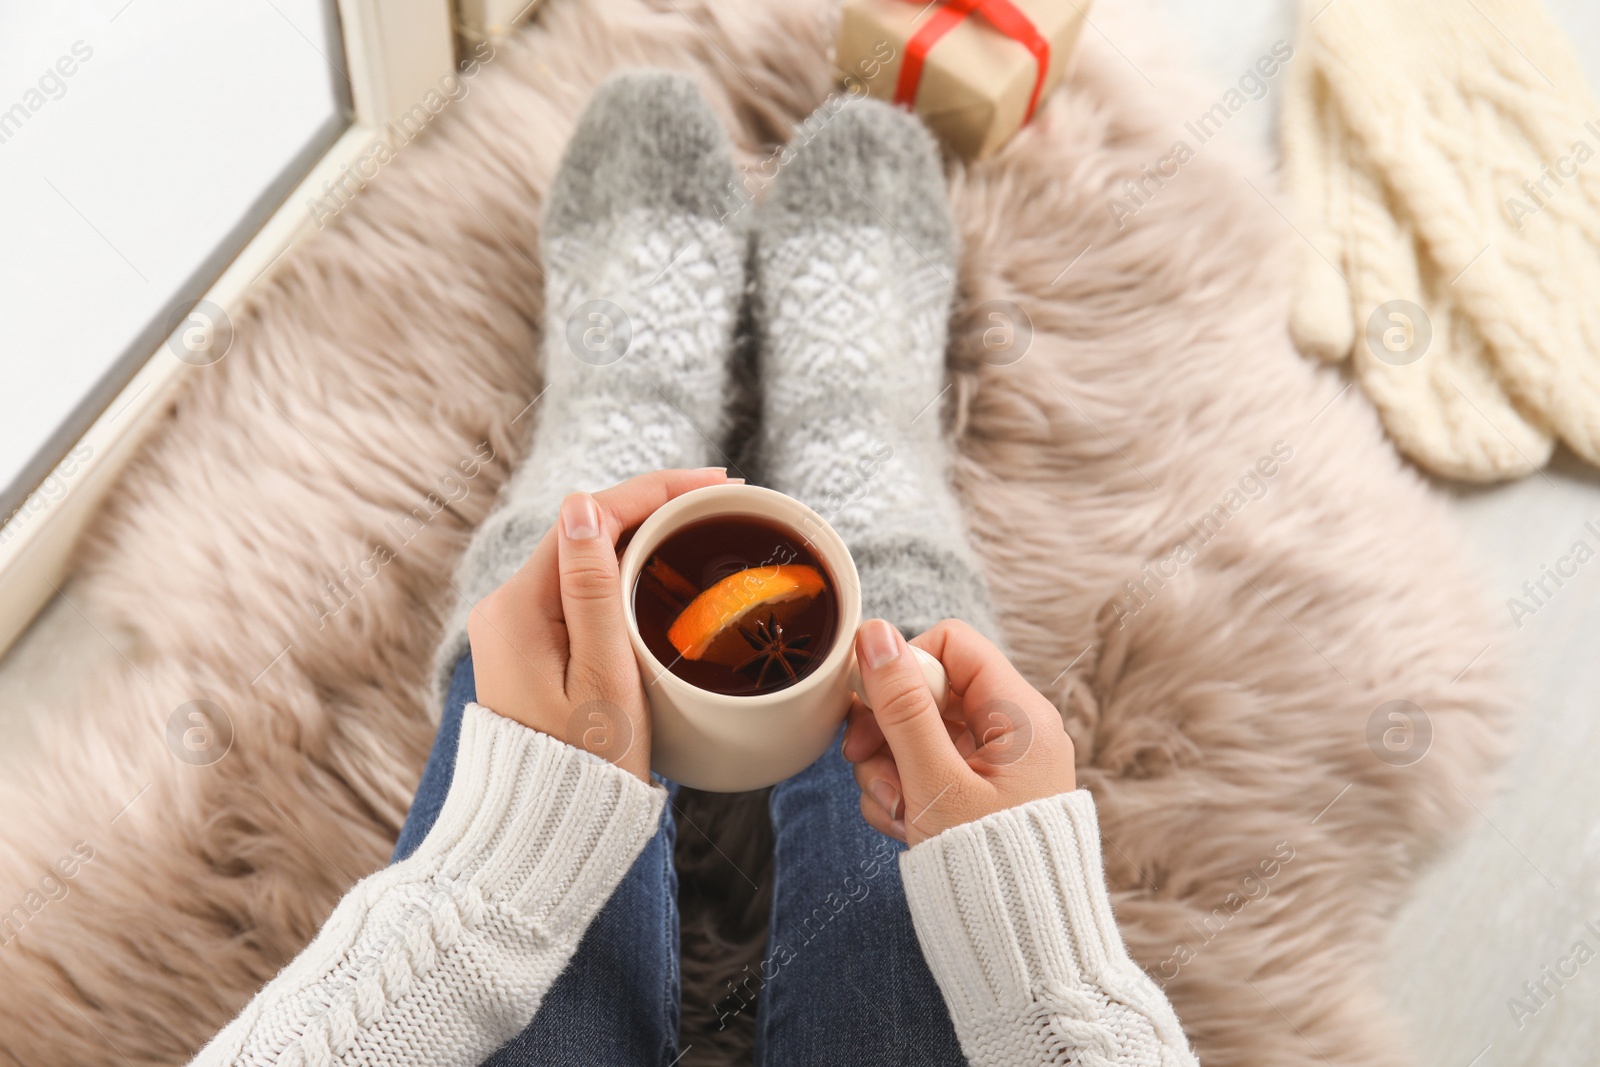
[{"x": 395, "y": 52}]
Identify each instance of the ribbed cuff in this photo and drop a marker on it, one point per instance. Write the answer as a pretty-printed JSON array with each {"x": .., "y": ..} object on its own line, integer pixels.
[
  {"x": 1013, "y": 903},
  {"x": 538, "y": 824}
]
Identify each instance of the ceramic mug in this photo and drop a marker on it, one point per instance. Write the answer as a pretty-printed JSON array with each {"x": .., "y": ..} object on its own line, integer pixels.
[{"x": 725, "y": 743}]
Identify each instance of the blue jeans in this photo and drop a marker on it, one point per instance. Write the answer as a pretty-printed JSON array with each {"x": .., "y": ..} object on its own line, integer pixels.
[{"x": 843, "y": 980}]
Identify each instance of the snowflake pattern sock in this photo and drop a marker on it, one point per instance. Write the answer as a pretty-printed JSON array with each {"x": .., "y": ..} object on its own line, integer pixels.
[
  {"x": 643, "y": 282},
  {"x": 854, "y": 275}
]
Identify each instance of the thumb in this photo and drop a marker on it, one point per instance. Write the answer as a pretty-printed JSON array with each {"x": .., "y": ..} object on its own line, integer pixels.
[
  {"x": 904, "y": 709},
  {"x": 1318, "y": 167},
  {"x": 591, "y": 602}
]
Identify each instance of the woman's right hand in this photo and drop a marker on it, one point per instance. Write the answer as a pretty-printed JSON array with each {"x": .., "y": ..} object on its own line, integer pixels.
[
  {"x": 1000, "y": 743},
  {"x": 550, "y": 647}
]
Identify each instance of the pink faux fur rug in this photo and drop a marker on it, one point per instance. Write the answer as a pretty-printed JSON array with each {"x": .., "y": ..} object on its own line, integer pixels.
[{"x": 1256, "y": 843}]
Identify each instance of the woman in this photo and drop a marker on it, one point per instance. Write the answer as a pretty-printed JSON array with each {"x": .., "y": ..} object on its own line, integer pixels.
[{"x": 530, "y": 916}]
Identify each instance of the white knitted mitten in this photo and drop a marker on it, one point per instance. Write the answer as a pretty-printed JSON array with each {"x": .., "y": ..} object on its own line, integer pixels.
[{"x": 1443, "y": 153}]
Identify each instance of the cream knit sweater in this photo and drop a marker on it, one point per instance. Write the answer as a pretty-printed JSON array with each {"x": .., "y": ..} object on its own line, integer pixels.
[{"x": 445, "y": 956}]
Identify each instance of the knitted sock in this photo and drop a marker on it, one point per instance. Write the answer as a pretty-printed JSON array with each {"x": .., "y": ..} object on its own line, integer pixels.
[
  {"x": 855, "y": 270},
  {"x": 642, "y": 291}
]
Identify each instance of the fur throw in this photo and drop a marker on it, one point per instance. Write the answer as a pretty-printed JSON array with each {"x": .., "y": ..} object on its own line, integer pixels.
[{"x": 1200, "y": 545}]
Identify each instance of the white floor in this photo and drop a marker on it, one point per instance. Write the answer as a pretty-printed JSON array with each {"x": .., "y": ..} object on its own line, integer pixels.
[
  {"x": 137, "y": 138},
  {"x": 1514, "y": 897}
]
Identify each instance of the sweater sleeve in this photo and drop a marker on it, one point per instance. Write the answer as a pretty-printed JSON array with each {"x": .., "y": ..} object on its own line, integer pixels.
[
  {"x": 445, "y": 956},
  {"x": 1014, "y": 919}
]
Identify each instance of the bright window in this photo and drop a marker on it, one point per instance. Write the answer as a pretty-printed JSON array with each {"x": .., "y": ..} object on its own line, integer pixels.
[{"x": 142, "y": 142}]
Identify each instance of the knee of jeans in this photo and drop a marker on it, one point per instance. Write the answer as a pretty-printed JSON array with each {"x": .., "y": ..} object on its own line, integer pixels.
[{"x": 828, "y": 782}]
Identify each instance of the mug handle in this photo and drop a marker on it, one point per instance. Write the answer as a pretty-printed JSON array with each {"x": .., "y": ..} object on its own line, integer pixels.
[{"x": 932, "y": 673}]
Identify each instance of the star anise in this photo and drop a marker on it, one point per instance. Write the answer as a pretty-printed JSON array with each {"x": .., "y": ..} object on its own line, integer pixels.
[{"x": 773, "y": 649}]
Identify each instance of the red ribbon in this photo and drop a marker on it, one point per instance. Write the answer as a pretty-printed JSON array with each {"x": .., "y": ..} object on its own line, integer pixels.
[{"x": 1003, "y": 15}]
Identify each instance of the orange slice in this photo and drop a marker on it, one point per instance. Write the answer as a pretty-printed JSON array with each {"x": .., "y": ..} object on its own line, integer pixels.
[{"x": 710, "y": 624}]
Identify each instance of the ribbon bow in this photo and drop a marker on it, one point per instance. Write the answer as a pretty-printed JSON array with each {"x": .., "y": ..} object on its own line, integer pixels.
[{"x": 1003, "y": 15}]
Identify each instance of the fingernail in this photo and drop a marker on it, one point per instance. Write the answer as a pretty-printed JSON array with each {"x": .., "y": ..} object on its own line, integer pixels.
[
  {"x": 879, "y": 644},
  {"x": 735, "y": 481},
  {"x": 704, "y": 470},
  {"x": 579, "y": 517},
  {"x": 887, "y": 796}
]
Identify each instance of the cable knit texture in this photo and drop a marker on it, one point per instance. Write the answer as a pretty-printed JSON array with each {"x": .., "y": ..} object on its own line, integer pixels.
[
  {"x": 445, "y": 956},
  {"x": 442, "y": 958},
  {"x": 1441, "y": 153},
  {"x": 1014, "y": 920}
]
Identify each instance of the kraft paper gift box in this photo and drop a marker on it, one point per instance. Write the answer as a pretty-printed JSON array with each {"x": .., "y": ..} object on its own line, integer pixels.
[{"x": 975, "y": 70}]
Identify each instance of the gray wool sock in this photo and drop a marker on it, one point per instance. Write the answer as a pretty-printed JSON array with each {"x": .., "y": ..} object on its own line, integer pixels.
[
  {"x": 855, "y": 272},
  {"x": 643, "y": 283}
]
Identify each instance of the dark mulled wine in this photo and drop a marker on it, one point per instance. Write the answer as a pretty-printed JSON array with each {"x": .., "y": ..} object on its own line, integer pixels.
[{"x": 736, "y": 605}]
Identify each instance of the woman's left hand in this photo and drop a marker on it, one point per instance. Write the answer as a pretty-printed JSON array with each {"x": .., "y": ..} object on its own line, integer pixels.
[{"x": 550, "y": 647}]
